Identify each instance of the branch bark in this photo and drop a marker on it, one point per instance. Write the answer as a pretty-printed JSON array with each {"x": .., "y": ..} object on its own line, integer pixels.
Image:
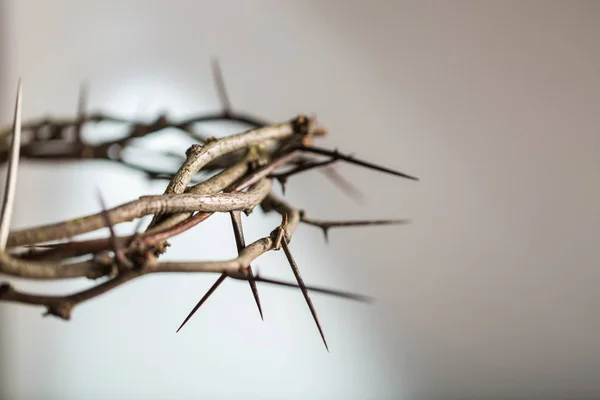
[{"x": 245, "y": 164}]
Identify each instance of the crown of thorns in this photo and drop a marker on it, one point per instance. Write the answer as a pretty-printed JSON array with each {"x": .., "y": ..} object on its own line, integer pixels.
[{"x": 233, "y": 174}]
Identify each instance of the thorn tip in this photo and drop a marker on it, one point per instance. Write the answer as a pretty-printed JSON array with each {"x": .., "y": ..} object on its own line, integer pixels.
[{"x": 11, "y": 175}]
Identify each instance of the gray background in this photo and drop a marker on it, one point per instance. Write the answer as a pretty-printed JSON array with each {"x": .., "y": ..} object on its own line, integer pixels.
[{"x": 492, "y": 290}]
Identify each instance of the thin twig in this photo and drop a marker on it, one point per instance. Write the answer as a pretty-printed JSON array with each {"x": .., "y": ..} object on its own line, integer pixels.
[
  {"x": 243, "y": 166},
  {"x": 145, "y": 205}
]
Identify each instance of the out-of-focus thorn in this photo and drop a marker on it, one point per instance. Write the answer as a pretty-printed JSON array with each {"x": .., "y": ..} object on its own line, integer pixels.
[
  {"x": 343, "y": 184},
  {"x": 81, "y": 106},
  {"x": 121, "y": 260},
  {"x": 282, "y": 182},
  {"x": 11, "y": 176},
  {"x": 220, "y": 86}
]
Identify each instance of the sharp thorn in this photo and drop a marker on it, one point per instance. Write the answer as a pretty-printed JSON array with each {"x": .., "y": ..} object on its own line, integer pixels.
[
  {"x": 81, "y": 106},
  {"x": 136, "y": 231},
  {"x": 203, "y": 300},
  {"x": 331, "y": 292},
  {"x": 254, "y": 289},
  {"x": 236, "y": 223},
  {"x": 303, "y": 288},
  {"x": 282, "y": 182},
  {"x": 120, "y": 258},
  {"x": 107, "y": 219},
  {"x": 352, "y": 223},
  {"x": 220, "y": 86},
  {"x": 11, "y": 175},
  {"x": 138, "y": 226},
  {"x": 303, "y": 166},
  {"x": 353, "y": 160}
]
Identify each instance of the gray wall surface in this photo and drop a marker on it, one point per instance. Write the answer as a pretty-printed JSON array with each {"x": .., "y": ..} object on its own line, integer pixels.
[{"x": 491, "y": 291}]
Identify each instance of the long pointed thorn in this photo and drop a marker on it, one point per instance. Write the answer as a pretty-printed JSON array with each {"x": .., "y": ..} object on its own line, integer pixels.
[
  {"x": 104, "y": 212},
  {"x": 304, "y": 167},
  {"x": 81, "y": 106},
  {"x": 343, "y": 184},
  {"x": 240, "y": 241},
  {"x": 316, "y": 289},
  {"x": 303, "y": 288},
  {"x": 282, "y": 183},
  {"x": 138, "y": 226},
  {"x": 114, "y": 242},
  {"x": 203, "y": 300},
  {"x": 136, "y": 231},
  {"x": 254, "y": 289},
  {"x": 352, "y": 160},
  {"x": 11, "y": 175},
  {"x": 326, "y": 225},
  {"x": 220, "y": 86}
]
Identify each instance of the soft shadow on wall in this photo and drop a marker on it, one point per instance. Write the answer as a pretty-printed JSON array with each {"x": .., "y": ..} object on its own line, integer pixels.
[{"x": 69, "y": 358}]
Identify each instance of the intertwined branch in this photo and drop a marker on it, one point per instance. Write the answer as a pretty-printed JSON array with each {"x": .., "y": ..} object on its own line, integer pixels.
[{"x": 243, "y": 167}]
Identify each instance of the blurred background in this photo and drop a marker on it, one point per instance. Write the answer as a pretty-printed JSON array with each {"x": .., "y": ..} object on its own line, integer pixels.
[{"x": 490, "y": 292}]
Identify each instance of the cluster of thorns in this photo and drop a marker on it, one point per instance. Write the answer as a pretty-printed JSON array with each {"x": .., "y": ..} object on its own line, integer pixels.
[{"x": 242, "y": 167}]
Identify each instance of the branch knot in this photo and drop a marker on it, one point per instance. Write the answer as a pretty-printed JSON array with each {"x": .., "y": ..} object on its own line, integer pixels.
[
  {"x": 193, "y": 149},
  {"x": 301, "y": 125},
  {"x": 61, "y": 309}
]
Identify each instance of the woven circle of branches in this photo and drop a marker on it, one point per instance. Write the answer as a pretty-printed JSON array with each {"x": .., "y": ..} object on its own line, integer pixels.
[{"x": 241, "y": 167}]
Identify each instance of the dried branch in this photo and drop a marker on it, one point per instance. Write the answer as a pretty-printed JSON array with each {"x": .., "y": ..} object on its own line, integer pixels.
[
  {"x": 242, "y": 167},
  {"x": 146, "y": 205}
]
